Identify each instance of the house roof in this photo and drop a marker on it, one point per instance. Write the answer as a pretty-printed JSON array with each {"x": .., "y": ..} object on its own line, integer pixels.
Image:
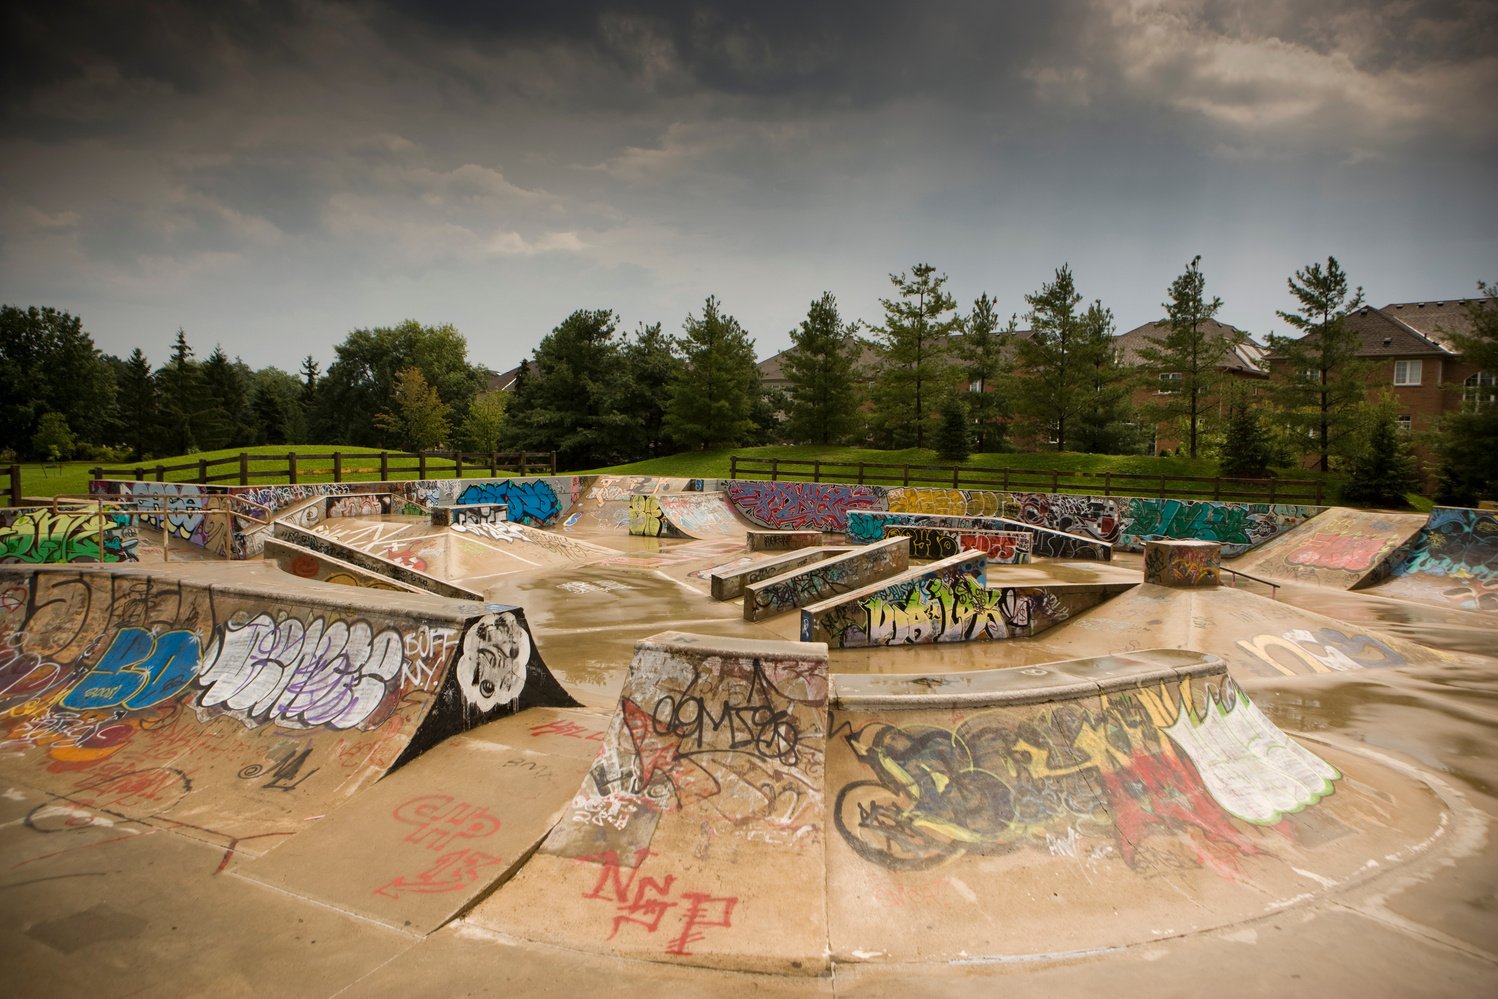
[
  {"x": 1385, "y": 336},
  {"x": 1248, "y": 355},
  {"x": 1436, "y": 321}
]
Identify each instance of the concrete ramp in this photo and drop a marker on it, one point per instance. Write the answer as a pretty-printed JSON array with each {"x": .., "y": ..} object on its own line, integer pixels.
[
  {"x": 1253, "y": 634},
  {"x": 702, "y": 516},
  {"x": 603, "y": 507},
  {"x": 235, "y": 703},
  {"x": 1340, "y": 547},
  {"x": 1046, "y": 812},
  {"x": 696, "y": 837},
  {"x": 1453, "y": 562},
  {"x": 865, "y": 526}
]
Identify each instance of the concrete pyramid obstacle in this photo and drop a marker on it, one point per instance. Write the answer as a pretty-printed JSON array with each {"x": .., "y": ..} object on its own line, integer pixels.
[
  {"x": 1339, "y": 547},
  {"x": 697, "y": 834}
]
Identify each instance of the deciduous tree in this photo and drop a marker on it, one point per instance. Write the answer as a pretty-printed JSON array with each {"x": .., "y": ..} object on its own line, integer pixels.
[{"x": 416, "y": 419}]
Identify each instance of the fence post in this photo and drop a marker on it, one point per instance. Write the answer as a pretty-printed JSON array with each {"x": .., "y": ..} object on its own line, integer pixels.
[
  {"x": 140, "y": 473},
  {"x": 493, "y": 464},
  {"x": 244, "y": 468},
  {"x": 202, "y": 469},
  {"x": 15, "y": 485},
  {"x": 93, "y": 473},
  {"x": 907, "y": 475},
  {"x": 1107, "y": 483},
  {"x": 384, "y": 466},
  {"x": 553, "y": 464},
  {"x": 337, "y": 466},
  {"x": 956, "y": 471},
  {"x": 291, "y": 467},
  {"x": 774, "y": 469},
  {"x": 816, "y": 471},
  {"x": 1319, "y": 496},
  {"x": 457, "y": 464},
  {"x": 160, "y": 473},
  {"x": 421, "y": 464},
  {"x": 1162, "y": 487},
  {"x": 860, "y": 473},
  {"x": 733, "y": 466},
  {"x": 1055, "y": 482}
]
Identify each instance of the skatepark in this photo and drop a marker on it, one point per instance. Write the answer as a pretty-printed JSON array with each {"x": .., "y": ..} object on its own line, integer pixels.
[{"x": 643, "y": 735}]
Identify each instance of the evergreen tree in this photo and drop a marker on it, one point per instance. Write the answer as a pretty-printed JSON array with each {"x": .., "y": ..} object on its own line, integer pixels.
[
  {"x": 1061, "y": 366},
  {"x": 954, "y": 440},
  {"x": 1191, "y": 349},
  {"x": 311, "y": 411},
  {"x": 915, "y": 373},
  {"x": 823, "y": 403},
  {"x": 1246, "y": 450},
  {"x": 136, "y": 410},
  {"x": 1467, "y": 442},
  {"x": 1106, "y": 423},
  {"x": 563, "y": 405},
  {"x": 180, "y": 407},
  {"x": 417, "y": 417},
  {"x": 276, "y": 402},
  {"x": 227, "y": 420},
  {"x": 1324, "y": 387},
  {"x": 712, "y": 398},
  {"x": 1383, "y": 469},
  {"x": 48, "y": 364},
  {"x": 648, "y": 367},
  {"x": 986, "y": 366}
]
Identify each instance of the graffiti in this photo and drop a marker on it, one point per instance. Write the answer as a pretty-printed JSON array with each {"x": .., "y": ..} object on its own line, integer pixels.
[
  {"x": 1142, "y": 774},
  {"x": 137, "y": 670},
  {"x": 151, "y": 790},
  {"x": 1331, "y": 551},
  {"x": 648, "y": 520},
  {"x": 492, "y": 663},
  {"x": 357, "y": 505},
  {"x": 1239, "y": 526},
  {"x": 697, "y": 515},
  {"x": 826, "y": 578},
  {"x": 286, "y": 774},
  {"x": 39, "y": 536},
  {"x": 933, "y": 543},
  {"x": 567, "y": 729},
  {"x": 1326, "y": 650},
  {"x": 865, "y": 526},
  {"x": 756, "y": 725},
  {"x": 643, "y": 901},
  {"x": 1182, "y": 563},
  {"x": 472, "y": 513},
  {"x": 440, "y": 821},
  {"x": 783, "y": 541},
  {"x": 529, "y": 502},
  {"x": 800, "y": 505},
  {"x": 1087, "y": 516},
  {"x": 297, "y": 673},
  {"x": 181, "y": 502}
]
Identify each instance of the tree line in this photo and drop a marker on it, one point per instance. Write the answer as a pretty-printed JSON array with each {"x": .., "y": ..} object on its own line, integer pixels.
[{"x": 926, "y": 375}]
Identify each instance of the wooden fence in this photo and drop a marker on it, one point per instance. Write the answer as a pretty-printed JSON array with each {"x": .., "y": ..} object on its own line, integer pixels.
[
  {"x": 1024, "y": 480},
  {"x": 362, "y": 466}
]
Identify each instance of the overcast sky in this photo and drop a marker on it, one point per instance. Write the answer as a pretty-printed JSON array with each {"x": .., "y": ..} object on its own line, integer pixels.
[{"x": 269, "y": 176}]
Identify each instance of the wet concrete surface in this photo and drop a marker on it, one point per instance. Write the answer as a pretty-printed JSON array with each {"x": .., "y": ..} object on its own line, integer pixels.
[{"x": 98, "y": 907}]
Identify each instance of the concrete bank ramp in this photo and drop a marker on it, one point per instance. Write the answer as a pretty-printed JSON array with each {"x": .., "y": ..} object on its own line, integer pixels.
[
  {"x": 1060, "y": 810},
  {"x": 696, "y": 836},
  {"x": 235, "y": 703},
  {"x": 1253, "y": 634},
  {"x": 603, "y": 506},
  {"x": 1339, "y": 547},
  {"x": 1453, "y": 562},
  {"x": 702, "y": 516}
]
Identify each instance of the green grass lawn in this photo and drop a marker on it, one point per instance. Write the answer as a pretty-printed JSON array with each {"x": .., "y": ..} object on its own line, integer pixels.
[{"x": 71, "y": 478}]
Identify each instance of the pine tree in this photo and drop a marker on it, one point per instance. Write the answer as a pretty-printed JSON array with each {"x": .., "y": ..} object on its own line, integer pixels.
[
  {"x": 136, "y": 404},
  {"x": 1324, "y": 388},
  {"x": 1384, "y": 468},
  {"x": 915, "y": 372},
  {"x": 1246, "y": 451},
  {"x": 179, "y": 388},
  {"x": 986, "y": 366},
  {"x": 564, "y": 404},
  {"x": 1191, "y": 349},
  {"x": 712, "y": 399},
  {"x": 823, "y": 405},
  {"x": 1467, "y": 445},
  {"x": 954, "y": 440},
  {"x": 648, "y": 367},
  {"x": 1106, "y": 423}
]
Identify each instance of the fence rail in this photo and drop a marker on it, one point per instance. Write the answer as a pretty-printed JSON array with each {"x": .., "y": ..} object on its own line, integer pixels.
[
  {"x": 1268, "y": 490},
  {"x": 363, "y": 466}
]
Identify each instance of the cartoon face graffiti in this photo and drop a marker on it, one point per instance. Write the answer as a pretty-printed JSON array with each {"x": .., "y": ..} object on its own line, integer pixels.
[{"x": 491, "y": 665}]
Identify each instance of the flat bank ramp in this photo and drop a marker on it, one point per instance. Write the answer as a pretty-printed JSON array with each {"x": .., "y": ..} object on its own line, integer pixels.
[
  {"x": 696, "y": 836},
  {"x": 1051, "y": 811},
  {"x": 235, "y": 703},
  {"x": 1339, "y": 547},
  {"x": 1452, "y": 563},
  {"x": 699, "y": 515},
  {"x": 1253, "y": 634}
]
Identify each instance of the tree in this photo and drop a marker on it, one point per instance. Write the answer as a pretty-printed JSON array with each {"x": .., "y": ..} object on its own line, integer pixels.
[
  {"x": 986, "y": 367},
  {"x": 914, "y": 372},
  {"x": 1383, "y": 469},
  {"x": 53, "y": 440},
  {"x": 823, "y": 398},
  {"x": 361, "y": 380},
  {"x": 712, "y": 398},
  {"x": 417, "y": 417},
  {"x": 311, "y": 411},
  {"x": 48, "y": 364},
  {"x": 954, "y": 440},
  {"x": 179, "y": 388},
  {"x": 1191, "y": 350},
  {"x": 1055, "y": 361},
  {"x": 1467, "y": 442},
  {"x": 1106, "y": 423},
  {"x": 648, "y": 367},
  {"x": 563, "y": 403},
  {"x": 1246, "y": 449},
  {"x": 485, "y": 421},
  {"x": 276, "y": 402},
  {"x": 135, "y": 403},
  {"x": 1323, "y": 389},
  {"x": 227, "y": 420}
]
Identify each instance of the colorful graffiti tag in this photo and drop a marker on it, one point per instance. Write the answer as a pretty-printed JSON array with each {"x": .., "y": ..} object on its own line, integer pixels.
[
  {"x": 529, "y": 501},
  {"x": 40, "y": 535},
  {"x": 1239, "y": 526},
  {"x": 800, "y": 505}
]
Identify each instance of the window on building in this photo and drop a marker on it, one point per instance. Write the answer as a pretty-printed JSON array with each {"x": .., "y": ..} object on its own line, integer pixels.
[
  {"x": 1170, "y": 383},
  {"x": 1479, "y": 391},
  {"x": 1407, "y": 372},
  {"x": 976, "y": 385},
  {"x": 1405, "y": 421}
]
